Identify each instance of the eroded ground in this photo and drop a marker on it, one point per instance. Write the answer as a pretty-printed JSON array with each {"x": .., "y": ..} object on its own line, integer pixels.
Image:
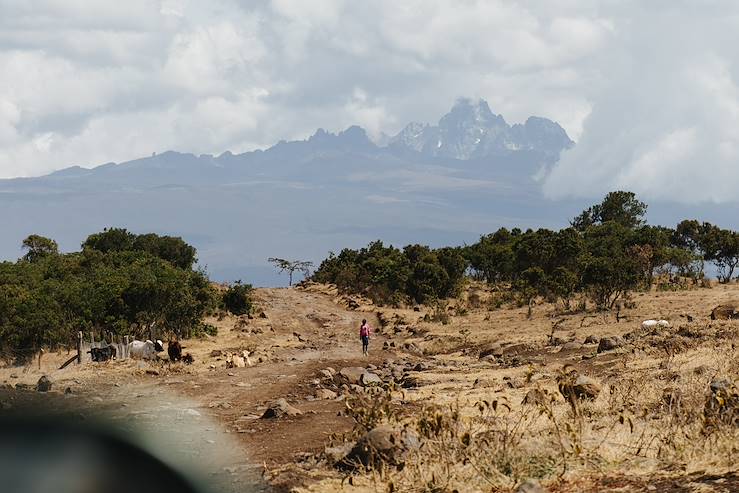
[{"x": 305, "y": 332}]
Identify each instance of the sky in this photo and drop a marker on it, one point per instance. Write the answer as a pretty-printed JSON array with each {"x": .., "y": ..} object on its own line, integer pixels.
[{"x": 648, "y": 90}]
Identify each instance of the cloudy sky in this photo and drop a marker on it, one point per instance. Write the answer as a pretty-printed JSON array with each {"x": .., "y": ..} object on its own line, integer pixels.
[{"x": 647, "y": 89}]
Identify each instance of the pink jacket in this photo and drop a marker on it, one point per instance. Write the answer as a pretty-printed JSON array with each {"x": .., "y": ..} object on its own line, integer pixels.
[{"x": 365, "y": 330}]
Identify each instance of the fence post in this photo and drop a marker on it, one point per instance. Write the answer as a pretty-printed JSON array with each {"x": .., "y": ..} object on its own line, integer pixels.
[
  {"x": 79, "y": 347},
  {"x": 125, "y": 348}
]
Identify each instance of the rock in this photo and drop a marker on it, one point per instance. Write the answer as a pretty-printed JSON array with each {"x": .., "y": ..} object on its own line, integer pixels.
[
  {"x": 13, "y": 375},
  {"x": 152, "y": 371},
  {"x": 586, "y": 387},
  {"x": 725, "y": 312},
  {"x": 610, "y": 343},
  {"x": 368, "y": 379},
  {"x": 262, "y": 314},
  {"x": 22, "y": 386},
  {"x": 410, "y": 382},
  {"x": 530, "y": 486},
  {"x": 351, "y": 375},
  {"x": 68, "y": 390},
  {"x": 326, "y": 394},
  {"x": 381, "y": 445},
  {"x": 556, "y": 341},
  {"x": 421, "y": 367},
  {"x": 493, "y": 350},
  {"x": 279, "y": 409},
  {"x": 591, "y": 340},
  {"x": 216, "y": 353},
  {"x": 335, "y": 454},
  {"x": 43, "y": 384},
  {"x": 570, "y": 346},
  {"x": 412, "y": 348},
  {"x": 720, "y": 385},
  {"x": 536, "y": 397},
  {"x": 518, "y": 349}
]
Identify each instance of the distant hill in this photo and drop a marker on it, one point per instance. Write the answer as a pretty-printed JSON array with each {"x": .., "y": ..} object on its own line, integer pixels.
[{"x": 442, "y": 184}]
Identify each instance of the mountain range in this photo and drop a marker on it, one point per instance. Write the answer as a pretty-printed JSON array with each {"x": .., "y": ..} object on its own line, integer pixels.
[{"x": 435, "y": 184}]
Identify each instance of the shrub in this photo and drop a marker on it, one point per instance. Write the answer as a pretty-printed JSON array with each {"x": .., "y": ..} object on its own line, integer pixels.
[{"x": 237, "y": 298}]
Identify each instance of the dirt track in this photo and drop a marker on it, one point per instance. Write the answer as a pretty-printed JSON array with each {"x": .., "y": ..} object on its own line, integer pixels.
[{"x": 305, "y": 331}]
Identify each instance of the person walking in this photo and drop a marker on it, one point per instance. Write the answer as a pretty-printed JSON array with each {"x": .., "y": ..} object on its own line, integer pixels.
[{"x": 364, "y": 334}]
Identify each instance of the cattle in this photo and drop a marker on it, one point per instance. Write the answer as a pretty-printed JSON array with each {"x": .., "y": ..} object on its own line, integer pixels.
[
  {"x": 651, "y": 324},
  {"x": 145, "y": 349},
  {"x": 174, "y": 349},
  {"x": 103, "y": 353}
]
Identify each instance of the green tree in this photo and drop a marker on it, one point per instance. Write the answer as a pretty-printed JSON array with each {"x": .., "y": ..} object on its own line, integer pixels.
[
  {"x": 619, "y": 206},
  {"x": 38, "y": 247}
]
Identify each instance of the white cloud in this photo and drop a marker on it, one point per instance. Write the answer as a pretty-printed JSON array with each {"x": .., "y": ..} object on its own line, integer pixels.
[{"x": 648, "y": 89}]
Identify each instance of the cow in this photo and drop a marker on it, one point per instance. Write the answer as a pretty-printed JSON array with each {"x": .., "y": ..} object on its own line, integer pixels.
[
  {"x": 238, "y": 361},
  {"x": 103, "y": 353},
  {"x": 174, "y": 349},
  {"x": 145, "y": 349}
]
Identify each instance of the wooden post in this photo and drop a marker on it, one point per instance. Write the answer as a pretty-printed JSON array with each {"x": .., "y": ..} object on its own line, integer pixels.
[
  {"x": 125, "y": 348},
  {"x": 92, "y": 339},
  {"x": 79, "y": 347}
]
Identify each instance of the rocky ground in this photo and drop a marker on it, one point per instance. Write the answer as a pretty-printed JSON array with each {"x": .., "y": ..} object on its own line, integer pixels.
[{"x": 467, "y": 396}]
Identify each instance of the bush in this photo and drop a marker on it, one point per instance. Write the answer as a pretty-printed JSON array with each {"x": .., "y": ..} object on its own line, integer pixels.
[{"x": 237, "y": 298}]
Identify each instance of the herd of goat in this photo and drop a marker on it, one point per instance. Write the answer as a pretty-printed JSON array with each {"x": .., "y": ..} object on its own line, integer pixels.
[{"x": 146, "y": 350}]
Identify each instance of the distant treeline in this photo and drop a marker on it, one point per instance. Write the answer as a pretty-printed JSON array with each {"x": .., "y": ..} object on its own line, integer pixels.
[
  {"x": 607, "y": 251},
  {"x": 119, "y": 282}
]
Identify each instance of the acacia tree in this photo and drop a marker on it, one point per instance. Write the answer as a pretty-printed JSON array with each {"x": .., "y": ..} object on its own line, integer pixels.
[{"x": 291, "y": 266}]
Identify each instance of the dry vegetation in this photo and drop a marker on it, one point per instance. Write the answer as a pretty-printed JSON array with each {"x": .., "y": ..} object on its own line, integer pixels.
[{"x": 475, "y": 396}]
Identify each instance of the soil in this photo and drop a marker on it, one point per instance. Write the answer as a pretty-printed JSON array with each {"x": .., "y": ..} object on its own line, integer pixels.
[{"x": 215, "y": 411}]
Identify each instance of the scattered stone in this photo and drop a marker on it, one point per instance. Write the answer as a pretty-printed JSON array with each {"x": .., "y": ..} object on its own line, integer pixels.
[
  {"x": 570, "y": 346},
  {"x": 216, "y": 353},
  {"x": 13, "y": 375},
  {"x": 326, "y": 394},
  {"x": 22, "y": 386},
  {"x": 152, "y": 371},
  {"x": 381, "y": 445},
  {"x": 262, "y": 314},
  {"x": 368, "y": 379},
  {"x": 494, "y": 350},
  {"x": 351, "y": 375},
  {"x": 591, "y": 340},
  {"x": 556, "y": 341},
  {"x": 530, "y": 486},
  {"x": 412, "y": 348},
  {"x": 410, "y": 382},
  {"x": 610, "y": 343},
  {"x": 68, "y": 390},
  {"x": 725, "y": 312},
  {"x": 279, "y": 409}
]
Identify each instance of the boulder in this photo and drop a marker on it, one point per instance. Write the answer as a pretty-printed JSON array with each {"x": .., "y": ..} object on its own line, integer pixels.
[
  {"x": 610, "y": 343},
  {"x": 43, "y": 384},
  {"x": 381, "y": 445},
  {"x": 326, "y": 394},
  {"x": 570, "y": 346},
  {"x": 367, "y": 379},
  {"x": 493, "y": 350},
  {"x": 586, "y": 388},
  {"x": 351, "y": 375},
  {"x": 279, "y": 409},
  {"x": 725, "y": 312},
  {"x": 325, "y": 374}
]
